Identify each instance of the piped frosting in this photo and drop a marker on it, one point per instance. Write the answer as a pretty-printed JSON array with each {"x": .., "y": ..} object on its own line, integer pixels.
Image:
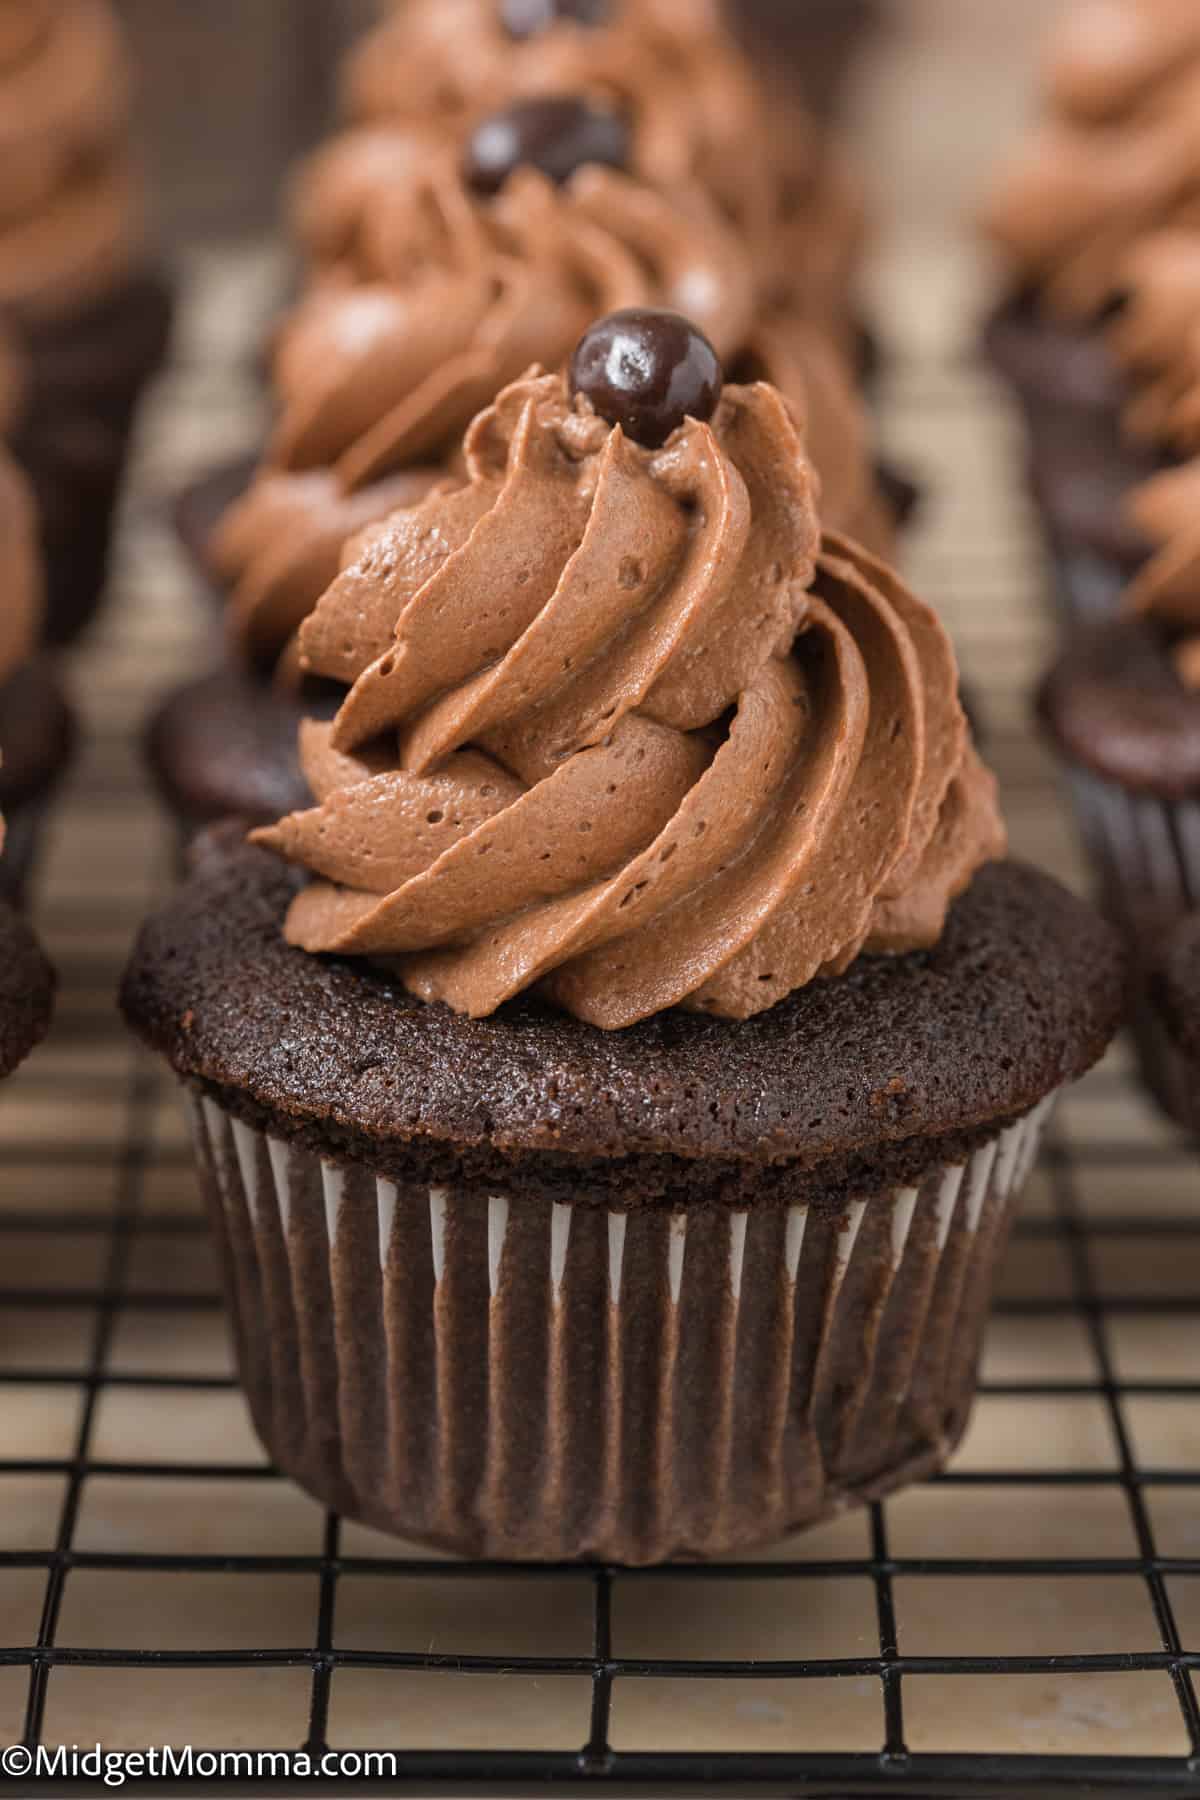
[{"x": 620, "y": 727}]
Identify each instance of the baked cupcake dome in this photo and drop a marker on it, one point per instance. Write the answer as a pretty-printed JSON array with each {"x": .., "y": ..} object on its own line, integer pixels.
[{"x": 556, "y": 1225}]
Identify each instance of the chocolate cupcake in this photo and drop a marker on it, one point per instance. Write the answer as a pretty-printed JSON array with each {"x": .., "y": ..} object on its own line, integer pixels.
[
  {"x": 36, "y": 726},
  {"x": 1079, "y": 221},
  {"x": 87, "y": 307},
  {"x": 612, "y": 1119},
  {"x": 439, "y": 290},
  {"x": 1175, "y": 1011}
]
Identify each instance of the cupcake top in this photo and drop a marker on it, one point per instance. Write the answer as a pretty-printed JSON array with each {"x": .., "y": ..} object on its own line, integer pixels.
[
  {"x": 456, "y": 277},
  {"x": 69, "y": 199},
  {"x": 619, "y": 726},
  {"x": 684, "y": 95},
  {"x": 1117, "y": 155}
]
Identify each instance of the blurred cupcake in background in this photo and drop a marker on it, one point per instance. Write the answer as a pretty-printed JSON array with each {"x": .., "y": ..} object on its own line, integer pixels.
[
  {"x": 36, "y": 724},
  {"x": 443, "y": 270},
  {"x": 613, "y": 1119},
  {"x": 1105, "y": 352},
  {"x": 79, "y": 291},
  {"x": 1078, "y": 220},
  {"x": 686, "y": 99},
  {"x": 1122, "y": 708}
]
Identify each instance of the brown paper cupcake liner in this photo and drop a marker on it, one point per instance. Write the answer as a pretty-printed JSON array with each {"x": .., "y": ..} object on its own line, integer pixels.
[
  {"x": 1145, "y": 851},
  {"x": 531, "y": 1381}
]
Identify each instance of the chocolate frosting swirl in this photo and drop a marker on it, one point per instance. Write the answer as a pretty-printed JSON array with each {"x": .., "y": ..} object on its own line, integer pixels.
[
  {"x": 698, "y": 120},
  {"x": 619, "y": 727},
  {"x": 70, "y": 203},
  {"x": 1117, "y": 157},
  {"x": 442, "y": 297}
]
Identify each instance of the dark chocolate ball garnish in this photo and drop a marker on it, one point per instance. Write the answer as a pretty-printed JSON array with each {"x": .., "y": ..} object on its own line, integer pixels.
[
  {"x": 556, "y": 134},
  {"x": 647, "y": 371},
  {"x": 525, "y": 18}
]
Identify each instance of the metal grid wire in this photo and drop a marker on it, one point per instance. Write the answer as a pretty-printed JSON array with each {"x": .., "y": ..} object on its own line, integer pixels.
[{"x": 158, "y": 1582}]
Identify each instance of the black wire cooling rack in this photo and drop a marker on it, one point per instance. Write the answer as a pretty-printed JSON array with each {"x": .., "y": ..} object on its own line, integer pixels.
[{"x": 892, "y": 1678}]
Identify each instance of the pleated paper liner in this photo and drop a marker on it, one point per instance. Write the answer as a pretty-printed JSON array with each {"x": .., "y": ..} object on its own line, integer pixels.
[
  {"x": 542, "y": 1382},
  {"x": 1145, "y": 853}
]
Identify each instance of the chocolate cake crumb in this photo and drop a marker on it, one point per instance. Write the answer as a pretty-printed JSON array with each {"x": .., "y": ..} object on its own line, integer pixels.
[{"x": 853, "y": 1085}]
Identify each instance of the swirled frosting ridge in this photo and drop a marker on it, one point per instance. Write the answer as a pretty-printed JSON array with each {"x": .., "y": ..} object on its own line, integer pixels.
[{"x": 618, "y": 727}]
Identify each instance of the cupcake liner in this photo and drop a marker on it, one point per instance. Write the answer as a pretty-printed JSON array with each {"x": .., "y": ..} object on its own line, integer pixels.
[
  {"x": 534, "y": 1381},
  {"x": 1145, "y": 852}
]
